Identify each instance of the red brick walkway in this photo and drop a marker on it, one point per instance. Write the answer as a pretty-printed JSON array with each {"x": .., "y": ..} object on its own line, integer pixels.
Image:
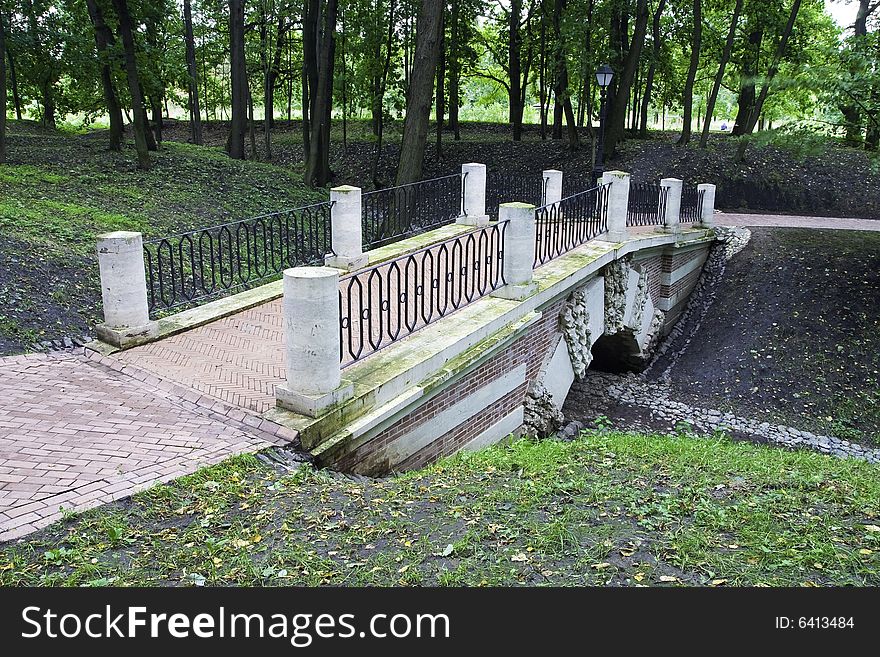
[{"x": 78, "y": 430}]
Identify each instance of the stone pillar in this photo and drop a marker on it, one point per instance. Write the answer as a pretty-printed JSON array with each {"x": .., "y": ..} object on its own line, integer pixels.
[
  {"x": 618, "y": 202},
  {"x": 473, "y": 198},
  {"x": 553, "y": 189},
  {"x": 311, "y": 330},
  {"x": 346, "y": 229},
  {"x": 707, "y": 215},
  {"x": 672, "y": 215},
  {"x": 519, "y": 250},
  {"x": 123, "y": 289}
]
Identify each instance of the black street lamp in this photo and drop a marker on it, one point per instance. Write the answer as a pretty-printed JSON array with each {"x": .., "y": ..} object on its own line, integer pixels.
[{"x": 603, "y": 77}]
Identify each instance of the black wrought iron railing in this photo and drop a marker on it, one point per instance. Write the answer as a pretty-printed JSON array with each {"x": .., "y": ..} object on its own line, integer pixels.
[
  {"x": 386, "y": 302},
  {"x": 691, "y": 204},
  {"x": 647, "y": 204},
  {"x": 513, "y": 187},
  {"x": 396, "y": 212},
  {"x": 562, "y": 226},
  {"x": 203, "y": 264}
]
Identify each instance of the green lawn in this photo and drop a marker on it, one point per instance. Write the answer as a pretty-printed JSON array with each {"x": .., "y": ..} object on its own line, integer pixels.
[{"x": 609, "y": 508}]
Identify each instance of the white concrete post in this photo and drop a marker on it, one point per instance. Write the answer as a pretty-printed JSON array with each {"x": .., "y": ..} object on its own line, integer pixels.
[
  {"x": 346, "y": 229},
  {"x": 123, "y": 281},
  {"x": 553, "y": 190},
  {"x": 672, "y": 216},
  {"x": 311, "y": 330},
  {"x": 519, "y": 250},
  {"x": 618, "y": 202},
  {"x": 473, "y": 198},
  {"x": 707, "y": 216}
]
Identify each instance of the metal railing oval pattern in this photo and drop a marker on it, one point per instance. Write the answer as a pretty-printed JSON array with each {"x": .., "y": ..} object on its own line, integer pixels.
[
  {"x": 647, "y": 204},
  {"x": 194, "y": 266},
  {"x": 562, "y": 226},
  {"x": 691, "y": 204},
  {"x": 504, "y": 187},
  {"x": 391, "y": 213},
  {"x": 384, "y": 303}
]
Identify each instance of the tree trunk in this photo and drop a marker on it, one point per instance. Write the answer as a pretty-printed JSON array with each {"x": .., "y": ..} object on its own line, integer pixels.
[
  {"x": 774, "y": 67},
  {"x": 617, "y": 109},
  {"x": 235, "y": 142},
  {"x": 454, "y": 70},
  {"x": 441, "y": 90},
  {"x": 383, "y": 82},
  {"x": 514, "y": 64},
  {"x": 318, "y": 164},
  {"x": 746, "y": 100},
  {"x": 103, "y": 43},
  {"x": 195, "y": 115},
  {"x": 139, "y": 112},
  {"x": 563, "y": 97},
  {"x": 2, "y": 92},
  {"x": 420, "y": 92},
  {"x": 652, "y": 68},
  {"x": 719, "y": 76},
  {"x": 44, "y": 80},
  {"x": 688, "y": 99},
  {"x": 16, "y": 99}
]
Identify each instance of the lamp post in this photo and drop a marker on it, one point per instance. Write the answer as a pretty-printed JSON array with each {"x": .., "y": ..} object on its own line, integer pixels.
[{"x": 603, "y": 77}]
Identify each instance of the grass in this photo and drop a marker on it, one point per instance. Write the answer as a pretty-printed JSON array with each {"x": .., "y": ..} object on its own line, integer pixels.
[{"x": 607, "y": 509}]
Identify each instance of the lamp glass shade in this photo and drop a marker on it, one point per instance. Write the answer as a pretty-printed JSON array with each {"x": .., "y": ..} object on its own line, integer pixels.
[{"x": 604, "y": 75}]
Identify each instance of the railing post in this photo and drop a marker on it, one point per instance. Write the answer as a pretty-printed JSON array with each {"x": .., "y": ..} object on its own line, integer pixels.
[
  {"x": 707, "y": 212},
  {"x": 123, "y": 289},
  {"x": 346, "y": 229},
  {"x": 553, "y": 190},
  {"x": 311, "y": 330},
  {"x": 618, "y": 204},
  {"x": 473, "y": 198},
  {"x": 519, "y": 250},
  {"x": 672, "y": 213}
]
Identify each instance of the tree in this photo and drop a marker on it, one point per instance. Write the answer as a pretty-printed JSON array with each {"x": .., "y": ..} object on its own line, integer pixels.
[
  {"x": 688, "y": 98},
  {"x": 652, "y": 67},
  {"x": 619, "y": 97},
  {"x": 420, "y": 92},
  {"x": 2, "y": 91},
  {"x": 561, "y": 88},
  {"x": 774, "y": 68},
  {"x": 321, "y": 95},
  {"x": 134, "y": 85},
  {"x": 719, "y": 76},
  {"x": 192, "y": 70},
  {"x": 238, "y": 69},
  {"x": 105, "y": 44}
]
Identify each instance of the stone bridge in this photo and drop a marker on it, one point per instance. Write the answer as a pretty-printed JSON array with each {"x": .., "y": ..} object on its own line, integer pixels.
[{"x": 449, "y": 340}]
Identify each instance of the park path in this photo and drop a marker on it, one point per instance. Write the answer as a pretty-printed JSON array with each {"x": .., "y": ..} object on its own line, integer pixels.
[
  {"x": 795, "y": 221},
  {"x": 78, "y": 430}
]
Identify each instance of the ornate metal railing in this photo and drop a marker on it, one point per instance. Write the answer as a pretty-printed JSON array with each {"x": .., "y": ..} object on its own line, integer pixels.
[
  {"x": 691, "y": 204},
  {"x": 386, "y": 302},
  {"x": 189, "y": 267},
  {"x": 647, "y": 204},
  {"x": 393, "y": 213},
  {"x": 562, "y": 226},
  {"x": 513, "y": 187}
]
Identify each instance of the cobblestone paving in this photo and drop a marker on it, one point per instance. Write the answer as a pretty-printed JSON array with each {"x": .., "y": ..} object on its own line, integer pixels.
[{"x": 78, "y": 430}]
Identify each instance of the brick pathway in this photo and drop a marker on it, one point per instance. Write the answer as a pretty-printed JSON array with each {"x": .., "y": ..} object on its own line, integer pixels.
[
  {"x": 238, "y": 359},
  {"x": 78, "y": 430},
  {"x": 791, "y": 221}
]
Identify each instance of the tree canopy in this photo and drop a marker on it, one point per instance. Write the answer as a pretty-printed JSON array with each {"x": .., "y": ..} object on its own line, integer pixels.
[{"x": 753, "y": 63}]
